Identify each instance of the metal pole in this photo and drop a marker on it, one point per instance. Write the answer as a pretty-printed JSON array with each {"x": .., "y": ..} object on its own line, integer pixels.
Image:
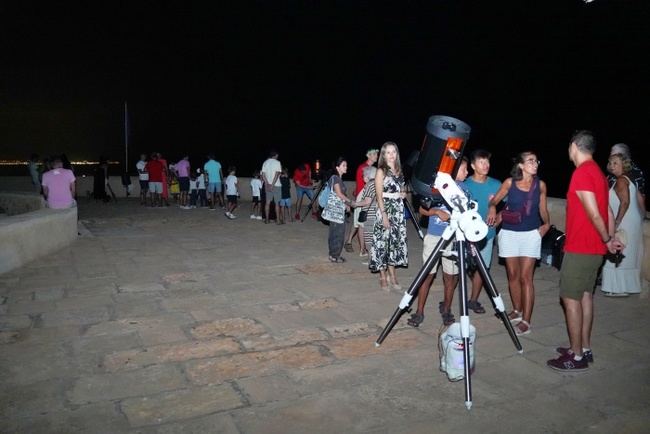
[{"x": 126, "y": 137}]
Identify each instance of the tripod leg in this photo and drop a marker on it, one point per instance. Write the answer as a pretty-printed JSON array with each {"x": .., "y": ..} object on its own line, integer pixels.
[
  {"x": 413, "y": 218},
  {"x": 464, "y": 323},
  {"x": 311, "y": 204},
  {"x": 411, "y": 293},
  {"x": 495, "y": 297}
]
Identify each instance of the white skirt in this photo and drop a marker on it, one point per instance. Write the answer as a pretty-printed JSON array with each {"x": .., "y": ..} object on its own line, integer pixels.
[{"x": 513, "y": 244}]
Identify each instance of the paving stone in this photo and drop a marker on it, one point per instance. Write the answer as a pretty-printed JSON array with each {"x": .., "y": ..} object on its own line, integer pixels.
[
  {"x": 227, "y": 327},
  {"x": 365, "y": 346},
  {"x": 8, "y": 337},
  {"x": 324, "y": 268},
  {"x": 219, "y": 423},
  {"x": 49, "y": 294},
  {"x": 31, "y": 307},
  {"x": 284, "y": 307},
  {"x": 75, "y": 316},
  {"x": 27, "y": 363},
  {"x": 156, "y": 330},
  {"x": 185, "y": 303},
  {"x": 355, "y": 329},
  {"x": 323, "y": 303},
  {"x": 287, "y": 339},
  {"x": 14, "y": 322},
  {"x": 112, "y": 386},
  {"x": 138, "y": 358},
  {"x": 261, "y": 390},
  {"x": 218, "y": 370},
  {"x": 141, "y": 287},
  {"x": 180, "y": 404}
]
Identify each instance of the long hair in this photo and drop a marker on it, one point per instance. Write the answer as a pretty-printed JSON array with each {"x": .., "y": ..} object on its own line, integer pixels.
[
  {"x": 382, "y": 164},
  {"x": 516, "y": 172}
]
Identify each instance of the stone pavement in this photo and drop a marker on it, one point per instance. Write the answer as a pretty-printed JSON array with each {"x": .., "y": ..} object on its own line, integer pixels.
[{"x": 174, "y": 321}]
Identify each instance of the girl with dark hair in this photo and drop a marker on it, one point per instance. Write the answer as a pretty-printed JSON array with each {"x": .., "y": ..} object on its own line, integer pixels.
[
  {"x": 524, "y": 223},
  {"x": 389, "y": 248},
  {"x": 337, "y": 205}
]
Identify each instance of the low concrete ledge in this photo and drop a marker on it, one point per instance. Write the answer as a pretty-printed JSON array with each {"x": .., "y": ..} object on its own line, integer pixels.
[
  {"x": 20, "y": 203},
  {"x": 28, "y": 236}
]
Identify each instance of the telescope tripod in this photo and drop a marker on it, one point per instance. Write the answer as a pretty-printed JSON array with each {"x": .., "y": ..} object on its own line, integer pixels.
[
  {"x": 323, "y": 183},
  {"x": 462, "y": 247}
]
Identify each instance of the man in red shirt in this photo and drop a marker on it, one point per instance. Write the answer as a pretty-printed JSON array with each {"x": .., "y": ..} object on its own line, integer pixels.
[
  {"x": 589, "y": 235},
  {"x": 304, "y": 186},
  {"x": 356, "y": 229},
  {"x": 155, "y": 170}
]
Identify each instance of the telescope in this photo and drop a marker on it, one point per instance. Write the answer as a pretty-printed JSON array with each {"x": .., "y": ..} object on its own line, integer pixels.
[{"x": 441, "y": 151}]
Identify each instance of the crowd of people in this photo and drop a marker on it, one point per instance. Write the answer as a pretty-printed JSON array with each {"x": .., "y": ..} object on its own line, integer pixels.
[
  {"x": 604, "y": 222},
  {"x": 603, "y": 233}
]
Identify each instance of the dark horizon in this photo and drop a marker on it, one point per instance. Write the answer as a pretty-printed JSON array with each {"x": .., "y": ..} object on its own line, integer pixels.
[{"x": 322, "y": 80}]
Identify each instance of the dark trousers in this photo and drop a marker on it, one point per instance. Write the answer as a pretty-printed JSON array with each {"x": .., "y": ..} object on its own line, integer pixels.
[
  {"x": 336, "y": 238},
  {"x": 194, "y": 194},
  {"x": 203, "y": 199}
]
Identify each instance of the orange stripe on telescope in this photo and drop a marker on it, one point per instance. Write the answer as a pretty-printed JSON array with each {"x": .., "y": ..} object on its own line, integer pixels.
[{"x": 452, "y": 149}]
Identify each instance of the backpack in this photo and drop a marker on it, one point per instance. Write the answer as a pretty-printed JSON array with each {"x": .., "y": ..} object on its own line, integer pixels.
[
  {"x": 553, "y": 247},
  {"x": 324, "y": 195}
]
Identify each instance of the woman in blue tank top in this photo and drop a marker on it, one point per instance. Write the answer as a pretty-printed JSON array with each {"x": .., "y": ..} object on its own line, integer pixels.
[{"x": 524, "y": 222}]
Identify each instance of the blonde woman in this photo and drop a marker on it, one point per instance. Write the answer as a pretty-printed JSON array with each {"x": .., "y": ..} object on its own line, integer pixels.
[{"x": 389, "y": 248}]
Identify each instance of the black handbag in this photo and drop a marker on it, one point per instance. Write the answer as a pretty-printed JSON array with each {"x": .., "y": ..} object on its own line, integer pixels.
[{"x": 363, "y": 214}]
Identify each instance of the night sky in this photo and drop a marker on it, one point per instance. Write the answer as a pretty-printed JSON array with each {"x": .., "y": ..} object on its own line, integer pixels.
[{"x": 321, "y": 79}]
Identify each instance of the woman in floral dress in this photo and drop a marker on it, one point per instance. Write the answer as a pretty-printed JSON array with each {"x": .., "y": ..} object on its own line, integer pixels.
[{"x": 389, "y": 249}]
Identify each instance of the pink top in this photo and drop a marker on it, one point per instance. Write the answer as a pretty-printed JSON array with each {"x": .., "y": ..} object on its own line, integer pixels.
[
  {"x": 183, "y": 168},
  {"x": 58, "y": 183}
]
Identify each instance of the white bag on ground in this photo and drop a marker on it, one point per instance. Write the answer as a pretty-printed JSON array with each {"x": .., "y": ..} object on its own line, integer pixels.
[{"x": 451, "y": 351}]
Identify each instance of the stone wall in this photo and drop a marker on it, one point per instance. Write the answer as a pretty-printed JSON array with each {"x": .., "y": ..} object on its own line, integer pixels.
[{"x": 27, "y": 236}]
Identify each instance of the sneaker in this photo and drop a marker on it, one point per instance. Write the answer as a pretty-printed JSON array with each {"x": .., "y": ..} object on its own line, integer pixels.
[
  {"x": 227, "y": 214},
  {"x": 253, "y": 216},
  {"x": 567, "y": 363},
  {"x": 259, "y": 217},
  {"x": 232, "y": 216},
  {"x": 586, "y": 355}
]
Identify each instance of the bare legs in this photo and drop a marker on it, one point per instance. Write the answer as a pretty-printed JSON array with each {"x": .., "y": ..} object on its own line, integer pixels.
[
  {"x": 520, "y": 272},
  {"x": 579, "y": 319}
]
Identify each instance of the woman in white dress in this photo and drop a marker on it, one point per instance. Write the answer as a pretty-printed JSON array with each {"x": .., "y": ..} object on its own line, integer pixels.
[{"x": 624, "y": 279}]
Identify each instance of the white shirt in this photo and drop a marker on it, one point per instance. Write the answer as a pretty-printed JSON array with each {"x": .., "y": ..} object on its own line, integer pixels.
[
  {"x": 140, "y": 166},
  {"x": 269, "y": 168},
  {"x": 231, "y": 185},
  {"x": 200, "y": 182},
  {"x": 256, "y": 187}
]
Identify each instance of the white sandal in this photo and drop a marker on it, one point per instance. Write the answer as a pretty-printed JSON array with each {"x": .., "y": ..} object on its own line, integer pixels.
[
  {"x": 517, "y": 319},
  {"x": 519, "y": 332}
]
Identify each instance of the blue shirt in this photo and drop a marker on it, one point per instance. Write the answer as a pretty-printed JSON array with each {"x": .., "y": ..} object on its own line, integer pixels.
[
  {"x": 213, "y": 169},
  {"x": 482, "y": 192}
]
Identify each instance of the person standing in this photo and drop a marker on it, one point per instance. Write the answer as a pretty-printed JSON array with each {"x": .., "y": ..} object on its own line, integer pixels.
[
  {"x": 635, "y": 174},
  {"x": 182, "y": 169},
  {"x": 212, "y": 169},
  {"x": 439, "y": 221},
  {"x": 232, "y": 192},
  {"x": 304, "y": 187},
  {"x": 143, "y": 178},
  {"x": 256, "y": 191},
  {"x": 520, "y": 237},
  {"x": 482, "y": 188},
  {"x": 589, "y": 235},
  {"x": 271, "y": 170},
  {"x": 155, "y": 170},
  {"x": 337, "y": 204},
  {"x": 356, "y": 230},
  {"x": 285, "y": 201},
  {"x": 389, "y": 243},
  {"x": 32, "y": 166},
  {"x": 623, "y": 279},
  {"x": 59, "y": 186}
]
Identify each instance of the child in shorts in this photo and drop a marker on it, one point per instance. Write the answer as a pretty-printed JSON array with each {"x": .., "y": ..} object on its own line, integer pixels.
[
  {"x": 231, "y": 192},
  {"x": 256, "y": 191},
  {"x": 285, "y": 200}
]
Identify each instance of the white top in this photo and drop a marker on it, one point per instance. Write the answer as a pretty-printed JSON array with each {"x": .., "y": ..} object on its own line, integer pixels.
[
  {"x": 269, "y": 168},
  {"x": 200, "y": 182},
  {"x": 141, "y": 166},
  {"x": 231, "y": 185},
  {"x": 193, "y": 183},
  {"x": 256, "y": 187}
]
